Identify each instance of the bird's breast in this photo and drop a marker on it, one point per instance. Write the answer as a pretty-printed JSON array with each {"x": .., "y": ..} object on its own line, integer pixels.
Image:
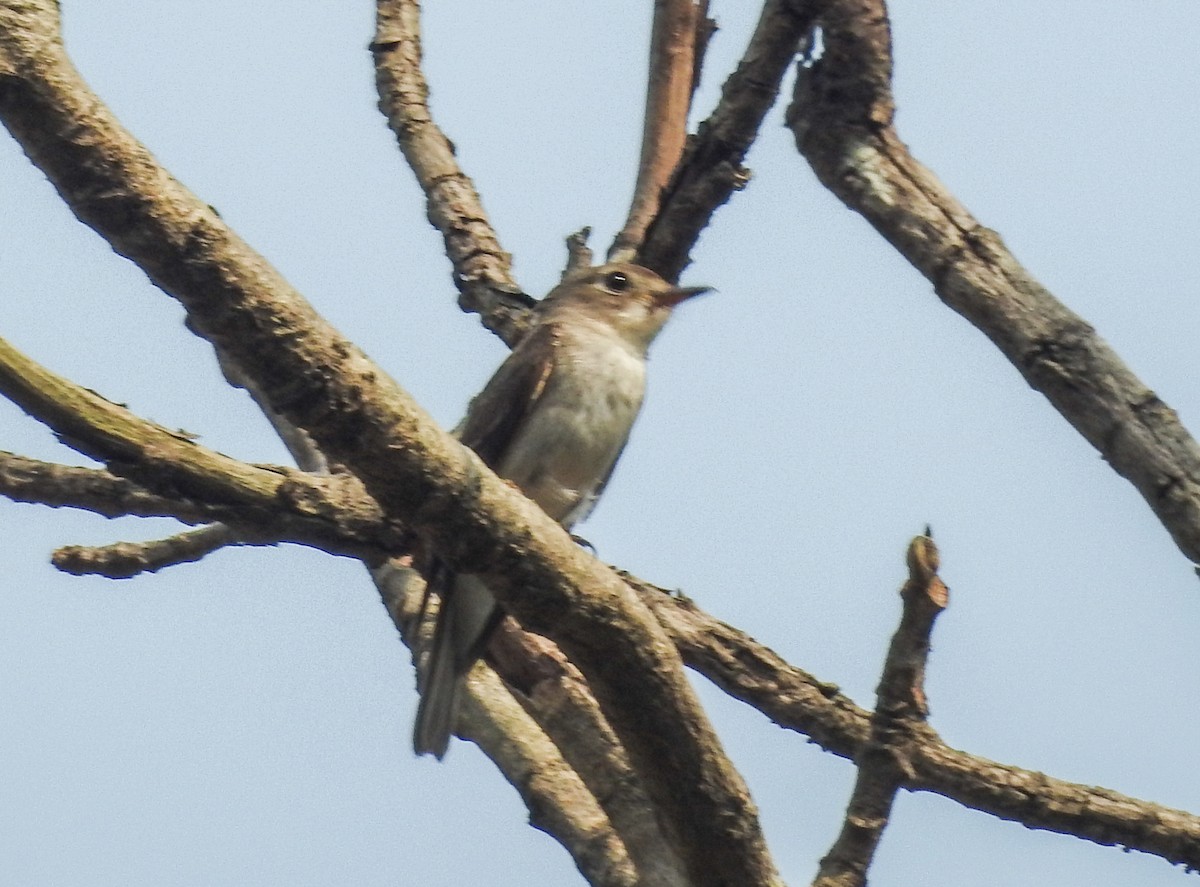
[{"x": 573, "y": 436}]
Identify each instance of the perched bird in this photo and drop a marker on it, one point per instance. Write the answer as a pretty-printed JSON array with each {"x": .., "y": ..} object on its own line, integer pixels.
[{"x": 553, "y": 420}]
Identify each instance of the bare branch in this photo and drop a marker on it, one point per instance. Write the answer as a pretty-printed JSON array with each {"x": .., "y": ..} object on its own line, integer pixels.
[
  {"x": 883, "y": 763},
  {"x": 192, "y": 546},
  {"x": 90, "y": 489},
  {"x": 482, "y": 270},
  {"x": 558, "y": 698},
  {"x": 123, "y": 560},
  {"x": 579, "y": 254},
  {"x": 842, "y": 117},
  {"x": 556, "y": 749},
  {"x": 558, "y": 802},
  {"x": 797, "y": 701},
  {"x": 711, "y": 167},
  {"x": 165, "y": 473},
  {"x": 755, "y": 674},
  {"x": 669, "y": 86},
  {"x": 110, "y": 433}
]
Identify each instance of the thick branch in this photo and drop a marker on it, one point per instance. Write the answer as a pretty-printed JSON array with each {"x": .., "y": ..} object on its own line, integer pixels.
[
  {"x": 577, "y": 763},
  {"x": 482, "y": 270},
  {"x": 320, "y": 382},
  {"x": 842, "y": 119},
  {"x": 711, "y": 168},
  {"x": 559, "y": 803}
]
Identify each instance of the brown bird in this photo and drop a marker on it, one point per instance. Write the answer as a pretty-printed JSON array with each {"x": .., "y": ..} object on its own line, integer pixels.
[{"x": 553, "y": 420}]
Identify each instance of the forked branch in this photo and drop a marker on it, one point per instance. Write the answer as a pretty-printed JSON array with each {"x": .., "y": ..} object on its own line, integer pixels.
[{"x": 794, "y": 699}]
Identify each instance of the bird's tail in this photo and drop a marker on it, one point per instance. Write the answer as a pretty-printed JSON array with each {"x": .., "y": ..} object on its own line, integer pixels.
[
  {"x": 440, "y": 688},
  {"x": 467, "y": 616}
]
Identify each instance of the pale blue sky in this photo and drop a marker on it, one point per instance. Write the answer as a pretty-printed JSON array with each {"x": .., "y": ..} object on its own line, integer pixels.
[{"x": 246, "y": 720}]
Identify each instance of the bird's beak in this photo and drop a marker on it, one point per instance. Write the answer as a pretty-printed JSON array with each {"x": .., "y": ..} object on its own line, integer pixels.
[{"x": 673, "y": 297}]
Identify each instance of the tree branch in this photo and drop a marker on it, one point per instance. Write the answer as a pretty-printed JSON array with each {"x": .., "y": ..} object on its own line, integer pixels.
[
  {"x": 124, "y": 560},
  {"x": 795, "y": 700},
  {"x": 482, "y": 270},
  {"x": 559, "y": 803},
  {"x": 575, "y": 749},
  {"x": 669, "y": 86},
  {"x": 884, "y": 762},
  {"x": 711, "y": 167},
  {"x": 90, "y": 489},
  {"x": 558, "y": 698},
  {"x": 164, "y": 473},
  {"x": 842, "y": 118}
]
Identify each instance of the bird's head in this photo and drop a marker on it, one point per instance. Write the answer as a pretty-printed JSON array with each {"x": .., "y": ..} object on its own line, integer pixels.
[{"x": 631, "y": 300}]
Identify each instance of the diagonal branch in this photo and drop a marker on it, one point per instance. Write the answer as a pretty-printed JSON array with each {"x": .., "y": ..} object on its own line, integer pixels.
[
  {"x": 711, "y": 167},
  {"x": 678, "y": 24},
  {"x": 559, "y": 699},
  {"x": 559, "y": 717},
  {"x": 842, "y": 118},
  {"x": 482, "y": 270},
  {"x": 560, "y": 803}
]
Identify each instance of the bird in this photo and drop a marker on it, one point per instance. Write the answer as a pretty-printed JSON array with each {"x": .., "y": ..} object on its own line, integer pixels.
[{"x": 552, "y": 421}]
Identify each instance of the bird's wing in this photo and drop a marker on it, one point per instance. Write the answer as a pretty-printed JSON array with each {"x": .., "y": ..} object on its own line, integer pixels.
[
  {"x": 468, "y": 614},
  {"x": 498, "y": 411}
]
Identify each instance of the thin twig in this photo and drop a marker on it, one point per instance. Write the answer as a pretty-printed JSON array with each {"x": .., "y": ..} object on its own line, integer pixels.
[
  {"x": 579, "y": 254},
  {"x": 90, "y": 489},
  {"x": 482, "y": 270},
  {"x": 124, "y": 560},
  {"x": 883, "y": 763}
]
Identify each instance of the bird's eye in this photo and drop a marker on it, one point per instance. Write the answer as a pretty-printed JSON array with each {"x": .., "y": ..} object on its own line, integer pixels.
[{"x": 616, "y": 282}]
